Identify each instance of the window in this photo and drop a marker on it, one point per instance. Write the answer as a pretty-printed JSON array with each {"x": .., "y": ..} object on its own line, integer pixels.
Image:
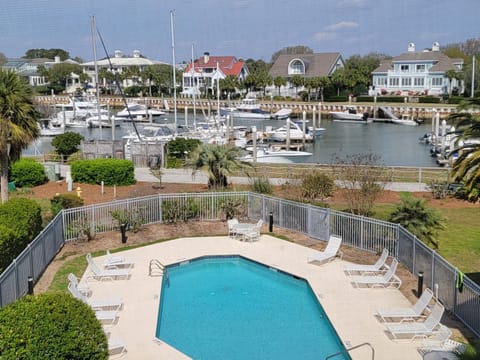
[
  {"x": 418, "y": 81},
  {"x": 406, "y": 81},
  {"x": 393, "y": 81},
  {"x": 437, "y": 81},
  {"x": 296, "y": 67},
  {"x": 421, "y": 68},
  {"x": 404, "y": 68},
  {"x": 381, "y": 81}
]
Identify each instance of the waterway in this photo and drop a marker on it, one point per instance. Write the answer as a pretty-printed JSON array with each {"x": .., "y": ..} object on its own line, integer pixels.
[{"x": 395, "y": 145}]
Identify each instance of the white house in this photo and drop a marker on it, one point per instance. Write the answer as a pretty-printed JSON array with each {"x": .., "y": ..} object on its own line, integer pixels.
[{"x": 418, "y": 73}]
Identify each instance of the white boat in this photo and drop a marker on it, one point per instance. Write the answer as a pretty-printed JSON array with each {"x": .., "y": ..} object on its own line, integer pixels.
[
  {"x": 277, "y": 156},
  {"x": 350, "y": 115},
  {"x": 282, "y": 114},
  {"x": 249, "y": 109},
  {"x": 106, "y": 121},
  {"x": 50, "y": 128},
  {"x": 152, "y": 133},
  {"x": 74, "y": 113},
  {"x": 404, "y": 120},
  {"x": 138, "y": 112},
  {"x": 296, "y": 133}
]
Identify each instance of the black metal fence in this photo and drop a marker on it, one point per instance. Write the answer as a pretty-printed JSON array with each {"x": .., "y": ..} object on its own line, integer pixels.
[{"x": 462, "y": 299}]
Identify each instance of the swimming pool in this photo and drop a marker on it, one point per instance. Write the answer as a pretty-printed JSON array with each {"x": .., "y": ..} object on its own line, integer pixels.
[{"x": 233, "y": 308}]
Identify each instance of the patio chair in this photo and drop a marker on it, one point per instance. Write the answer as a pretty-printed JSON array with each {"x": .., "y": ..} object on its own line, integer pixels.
[
  {"x": 231, "y": 227},
  {"x": 83, "y": 288},
  {"x": 330, "y": 252},
  {"x": 418, "y": 329},
  {"x": 113, "y": 303},
  {"x": 116, "y": 346},
  {"x": 408, "y": 313},
  {"x": 109, "y": 316},
  {"x": 254, "y": 234},
  {"x": 389, "y": 279},
  {"x": 105, "y": 274},
  {"x": 440, "y": 341},
  {"x": 117, "y": 261},
  {"x": 378, "y": 267}
]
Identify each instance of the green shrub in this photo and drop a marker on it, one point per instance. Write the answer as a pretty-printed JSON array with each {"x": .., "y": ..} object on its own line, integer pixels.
[
  {"x": 27, "y": 172},
  {"x": 20, "y": 223},
  {"x": 134, "y": 217},
  {"x": 317, "y": 185},
  {"x": 65, "y": 201},
  {"x": 175, "y": 210},
  {"x": 110, "y": 171},
  {"x": 262, "y": 186},
  {"x": 429, "y": 100},
  {"x": 51, "y": 326}
]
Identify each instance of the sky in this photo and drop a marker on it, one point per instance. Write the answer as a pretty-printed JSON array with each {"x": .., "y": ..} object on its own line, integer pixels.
[{"x": 246, "y": 29}]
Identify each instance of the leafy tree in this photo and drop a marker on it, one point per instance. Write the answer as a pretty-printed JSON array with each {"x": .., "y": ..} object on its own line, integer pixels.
[
  {"x": 229, "y": 84},
  {"x": 279, "y": 81},
  {"x": 466, "y": 168},
  {"x": 417, "y": 218},
  {"x": 58, "y": 74},
  {"x": 46, "y": 53},
  {"x": 219, "y": 161},
  {"x": 291, "y": 50},
  {"x": 67, "y": 143},
  {"x": 51, "y": 326},
  {"x": 18, "y": 122}
]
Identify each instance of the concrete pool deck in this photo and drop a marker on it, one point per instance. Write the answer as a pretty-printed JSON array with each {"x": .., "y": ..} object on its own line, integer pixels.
[{"x": 350, "y": 310}]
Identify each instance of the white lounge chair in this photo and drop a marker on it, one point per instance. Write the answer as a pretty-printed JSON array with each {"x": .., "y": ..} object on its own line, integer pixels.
[
  {"x": 408, "y": 313},
  {"x": 109, "y": 316},
  {"x": 116, "y": 346},
  {"x": 254, "y": 233},
  {"x": 95, "y": 304},
  {"x": 378, "y": 267},
  {"x": 105, "y": 274},
  {"x": 440, "y": 341},
  {"x": 83, "y": 288},
  {"x": 117, "y": 261},
  {"x": 418, "y": 329},
  {"x": 389, "y": 279},
  {"x": 330, "y": 252},
  {"x": 231, "y": 227}
]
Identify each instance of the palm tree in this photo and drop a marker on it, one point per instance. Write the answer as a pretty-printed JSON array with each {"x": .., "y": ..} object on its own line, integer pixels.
[
  {"x": 279, "y": 81},
  {"x": 219, "y": 161},
  {"x": 417, "y": 218},
  {"x": 18, "y": 122},
  {"x": 466, "y": 168}
]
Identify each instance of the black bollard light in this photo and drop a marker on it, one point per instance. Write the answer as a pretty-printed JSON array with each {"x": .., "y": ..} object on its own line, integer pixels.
[
  {"x": 420, "y": 284},
  {"x": 270, "y": 222},
  {"x": 30, "y": 285},
  {"x": 123, "y": 230}
]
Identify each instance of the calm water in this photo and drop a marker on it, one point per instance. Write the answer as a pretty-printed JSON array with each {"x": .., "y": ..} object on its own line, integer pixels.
[
  {"x": 233, "y": 308},
  {"x": 397, "y": 145}
]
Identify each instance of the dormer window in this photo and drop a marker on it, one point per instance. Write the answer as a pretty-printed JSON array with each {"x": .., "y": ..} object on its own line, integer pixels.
[{"x": 295, "y": 67}]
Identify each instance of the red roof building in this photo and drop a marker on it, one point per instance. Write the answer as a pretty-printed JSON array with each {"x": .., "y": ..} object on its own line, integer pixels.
[{"x": 202, "y": 75}]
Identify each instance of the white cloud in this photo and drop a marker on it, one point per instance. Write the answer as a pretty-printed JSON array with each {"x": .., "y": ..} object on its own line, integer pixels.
[
  {"x": 324, "y": 35},
  {"x": 342, "y": 25}
]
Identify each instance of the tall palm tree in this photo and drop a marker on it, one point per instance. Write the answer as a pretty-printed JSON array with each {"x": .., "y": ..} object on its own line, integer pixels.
[
  {"x": 466, "y": 168},
  {"x": 219, "y": 161},
  {"x": 18, "y": 122}
]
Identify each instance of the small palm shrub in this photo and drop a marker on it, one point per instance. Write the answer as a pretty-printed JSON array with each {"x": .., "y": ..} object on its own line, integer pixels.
[
  {"x": 65, "y": 201},
  {"x": 317, "y": 185},
  {"x": 262, "y": 186}
]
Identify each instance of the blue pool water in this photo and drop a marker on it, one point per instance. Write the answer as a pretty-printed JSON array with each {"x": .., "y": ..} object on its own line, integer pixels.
[{"x": 232, "y": 308}]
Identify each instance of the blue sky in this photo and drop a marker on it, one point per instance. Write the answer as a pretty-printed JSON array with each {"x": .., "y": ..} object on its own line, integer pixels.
[{"x": 243, "y": 28}]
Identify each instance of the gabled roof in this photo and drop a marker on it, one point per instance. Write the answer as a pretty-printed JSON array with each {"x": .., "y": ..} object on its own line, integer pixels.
[
  {"x": 316, "y": 65},
  {"x": 228, "y": 65},
  {"x": 441, "y": 61}
]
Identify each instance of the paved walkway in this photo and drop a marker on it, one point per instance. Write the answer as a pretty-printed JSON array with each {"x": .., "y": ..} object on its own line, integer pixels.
[{"x": 185, "y": 176}]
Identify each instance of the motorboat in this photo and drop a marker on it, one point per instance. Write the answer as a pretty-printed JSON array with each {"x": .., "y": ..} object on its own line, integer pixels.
[
  {"x": 405, "y": 120},
  {"x": 48, "y": 127},
  {"x": 105, "y": 121},
  {"x": 282, "y": 114},
  {"x": 350, "y": 115},
  {"x": 296, "y": 133},
  {"x": 138, "y": 112},
  {"x": 74, "y": 113},
  {"x": 249, "y": 108},
  {"x": 276, "y": 155},
  {"x": 151, "y": 133}
]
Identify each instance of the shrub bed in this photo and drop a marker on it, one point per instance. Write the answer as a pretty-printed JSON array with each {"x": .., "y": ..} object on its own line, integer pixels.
[
  {"x": 27, "y": 172},
  {"x": 110, "y": 171}
]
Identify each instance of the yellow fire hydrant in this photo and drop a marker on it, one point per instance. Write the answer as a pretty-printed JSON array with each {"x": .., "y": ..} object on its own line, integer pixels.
[{"x": 79, "y": 191}]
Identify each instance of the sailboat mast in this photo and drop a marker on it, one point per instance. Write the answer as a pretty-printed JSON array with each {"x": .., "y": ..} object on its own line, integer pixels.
[
  {"x": 97, "y": 90},
  {"x": 473, "y": 77},
  {"x": 218, "y": 94},
  {"x": 194, "y": 93},
  {"x": 173, "y": 69}
]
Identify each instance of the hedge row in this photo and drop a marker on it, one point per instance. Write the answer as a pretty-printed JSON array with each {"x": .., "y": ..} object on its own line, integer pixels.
[
  {"x": 27, "y": 172},
  {"x": 110, "y": 171}
]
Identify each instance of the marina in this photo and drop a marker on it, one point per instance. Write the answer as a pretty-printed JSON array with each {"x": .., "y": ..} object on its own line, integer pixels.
[{"x": 395, "y": 145}]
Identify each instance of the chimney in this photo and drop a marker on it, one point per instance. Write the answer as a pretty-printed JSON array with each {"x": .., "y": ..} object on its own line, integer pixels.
[
  {"x": 118, "y": 54},
  {"x": 57, "y": 59},
  {"x": 136, "y": 53},
  {"x": 206, "y": 57},
  {"x": 411, "y": 47},
  {"x": 436, "y": 46}
]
